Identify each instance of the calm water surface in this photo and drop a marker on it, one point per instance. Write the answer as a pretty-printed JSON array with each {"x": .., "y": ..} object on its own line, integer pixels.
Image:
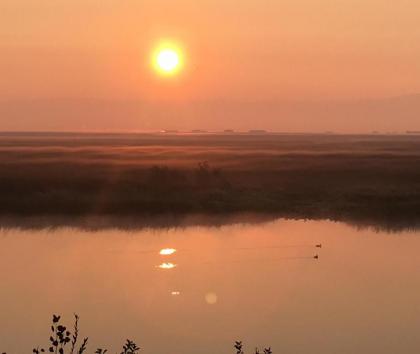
[{"x": 257, "y": 283}]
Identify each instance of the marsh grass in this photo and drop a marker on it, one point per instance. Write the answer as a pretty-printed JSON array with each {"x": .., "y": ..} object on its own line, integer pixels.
[{"x": 344, "y": 178}]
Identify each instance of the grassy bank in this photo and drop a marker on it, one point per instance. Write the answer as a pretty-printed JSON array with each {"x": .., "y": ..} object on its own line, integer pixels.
[{"x": 365, "y": 179}]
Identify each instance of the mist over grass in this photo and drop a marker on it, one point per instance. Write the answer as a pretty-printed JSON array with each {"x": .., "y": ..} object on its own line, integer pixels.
[{"x": 362, "y": 179}]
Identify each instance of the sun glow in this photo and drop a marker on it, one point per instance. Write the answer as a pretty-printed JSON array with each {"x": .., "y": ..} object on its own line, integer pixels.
[{"x": 167, "y": 59}]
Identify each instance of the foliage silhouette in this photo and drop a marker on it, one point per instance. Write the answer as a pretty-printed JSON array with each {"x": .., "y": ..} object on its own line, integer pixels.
[
  {"x": 60, "y": 338},
  {"x": 239, "y": 349},
  {"x": 238, "y": 346}
]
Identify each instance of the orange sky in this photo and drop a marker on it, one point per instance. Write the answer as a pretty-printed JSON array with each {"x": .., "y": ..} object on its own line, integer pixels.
[{"x": 239, "y": 51}]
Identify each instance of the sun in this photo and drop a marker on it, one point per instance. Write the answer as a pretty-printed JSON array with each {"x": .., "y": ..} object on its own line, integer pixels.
[{"x": 167, "y": 59}]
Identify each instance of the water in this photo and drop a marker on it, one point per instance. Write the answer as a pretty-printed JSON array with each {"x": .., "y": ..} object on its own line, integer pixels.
[{"x": 256, "y": 283}]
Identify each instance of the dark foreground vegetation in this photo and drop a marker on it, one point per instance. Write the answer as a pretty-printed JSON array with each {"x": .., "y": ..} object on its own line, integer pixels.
[
  {"x": 65, "y": 340},
  {"x": 362, "y": 179}
]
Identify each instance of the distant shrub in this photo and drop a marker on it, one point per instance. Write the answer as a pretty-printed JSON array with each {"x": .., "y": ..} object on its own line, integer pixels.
[{"x": 206, "y": 176}]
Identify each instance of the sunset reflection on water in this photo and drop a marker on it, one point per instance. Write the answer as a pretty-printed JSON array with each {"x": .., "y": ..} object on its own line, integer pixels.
[
  {"x": 235, "y": 282},
  {"x": 167, "y": 251},
  {"x": 167, "y": 265}
]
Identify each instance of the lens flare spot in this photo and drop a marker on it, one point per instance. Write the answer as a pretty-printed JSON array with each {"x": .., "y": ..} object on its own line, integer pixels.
[{"x": 211, "y": 298}]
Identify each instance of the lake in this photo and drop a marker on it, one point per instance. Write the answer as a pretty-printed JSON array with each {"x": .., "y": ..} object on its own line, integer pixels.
[{"x": 257, "y": 283}]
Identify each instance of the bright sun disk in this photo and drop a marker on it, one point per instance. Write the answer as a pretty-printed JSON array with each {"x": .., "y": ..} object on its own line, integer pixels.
[{"x": 167, "y": 59}]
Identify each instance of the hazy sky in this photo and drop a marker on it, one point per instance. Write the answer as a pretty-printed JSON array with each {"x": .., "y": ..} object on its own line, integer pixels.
[{"x": 236, "y": 51}]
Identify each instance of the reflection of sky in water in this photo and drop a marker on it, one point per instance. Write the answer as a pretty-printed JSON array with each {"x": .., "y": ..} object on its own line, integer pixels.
[{"x": 256, "y": 283}]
